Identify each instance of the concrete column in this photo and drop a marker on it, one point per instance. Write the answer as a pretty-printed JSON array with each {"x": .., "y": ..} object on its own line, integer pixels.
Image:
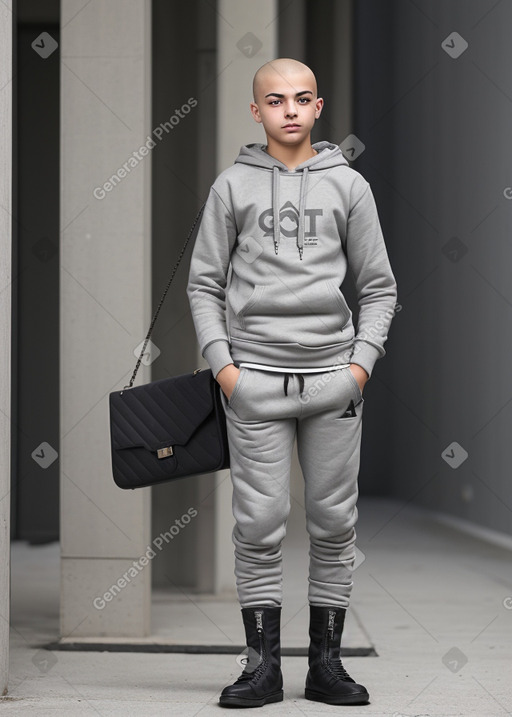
[
  {"x": 105, "y": 308},
  {"x": 6, "y": 21},
  {"x": 246, "y": 39}
]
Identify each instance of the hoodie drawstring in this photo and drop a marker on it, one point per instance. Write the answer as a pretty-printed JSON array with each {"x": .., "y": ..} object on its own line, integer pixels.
[
  {"x": 302, "y": 202},
  {"x": 275, "y": 206},
  {"x": 276, "y": 209}
]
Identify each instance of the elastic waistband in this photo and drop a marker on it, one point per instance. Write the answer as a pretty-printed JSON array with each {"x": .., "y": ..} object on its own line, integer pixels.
[{"x": 286, "y": 379}]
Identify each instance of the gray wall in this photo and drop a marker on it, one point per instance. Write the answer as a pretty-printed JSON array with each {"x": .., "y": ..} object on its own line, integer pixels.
[{"x": 438, "y": 156}]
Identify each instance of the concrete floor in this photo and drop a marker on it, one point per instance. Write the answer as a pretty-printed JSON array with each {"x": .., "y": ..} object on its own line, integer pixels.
[{"x": 434, "y": 601}]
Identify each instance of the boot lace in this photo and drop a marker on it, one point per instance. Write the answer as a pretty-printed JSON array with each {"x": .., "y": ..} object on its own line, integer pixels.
[
  {"x": 337, "y": 669},
  {"x": 247, "y": 676}
]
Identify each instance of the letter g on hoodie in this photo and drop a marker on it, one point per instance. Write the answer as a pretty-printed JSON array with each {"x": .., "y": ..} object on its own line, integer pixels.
[{"x": 271, "y": 252}]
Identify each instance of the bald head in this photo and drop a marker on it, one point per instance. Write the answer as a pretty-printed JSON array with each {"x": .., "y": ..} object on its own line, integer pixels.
[{"x": 282, "y": 71}]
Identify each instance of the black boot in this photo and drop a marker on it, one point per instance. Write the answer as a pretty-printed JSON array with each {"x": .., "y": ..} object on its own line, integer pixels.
[
  {"x": 327, "y": 680},
  {"x": 262, "y": 679}
]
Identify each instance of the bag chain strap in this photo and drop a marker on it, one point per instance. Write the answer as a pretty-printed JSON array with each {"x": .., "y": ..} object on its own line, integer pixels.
[{"x": 164, "y": 295}]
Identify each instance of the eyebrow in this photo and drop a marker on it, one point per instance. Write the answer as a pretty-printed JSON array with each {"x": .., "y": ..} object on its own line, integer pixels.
[{"x": 276, "y": 94}]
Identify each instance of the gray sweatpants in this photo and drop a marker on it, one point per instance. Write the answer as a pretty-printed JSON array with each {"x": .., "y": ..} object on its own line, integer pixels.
[{"x": 265, "y": 412}]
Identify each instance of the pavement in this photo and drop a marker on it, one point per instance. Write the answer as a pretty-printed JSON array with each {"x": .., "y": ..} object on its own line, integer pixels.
[{"x": 428, "y": 632}]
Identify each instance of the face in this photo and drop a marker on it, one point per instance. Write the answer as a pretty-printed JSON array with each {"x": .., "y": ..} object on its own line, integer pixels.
[{"x": 285, "y": 101}]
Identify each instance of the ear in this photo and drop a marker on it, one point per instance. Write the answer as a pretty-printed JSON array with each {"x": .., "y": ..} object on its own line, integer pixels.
[
  {"x": 255, "y": 112},
  {"x": 318, "y": 107}
]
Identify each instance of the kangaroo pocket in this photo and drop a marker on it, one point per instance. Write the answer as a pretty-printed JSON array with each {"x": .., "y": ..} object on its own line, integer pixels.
[{"x": 313, "y": 315}]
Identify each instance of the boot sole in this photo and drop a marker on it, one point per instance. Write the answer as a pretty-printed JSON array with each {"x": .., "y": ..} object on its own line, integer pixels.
[
  {"x": 228, "y": 701},
  {"x": 360, "y": 698}
]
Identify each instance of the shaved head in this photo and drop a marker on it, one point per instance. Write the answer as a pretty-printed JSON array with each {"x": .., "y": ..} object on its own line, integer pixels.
[
  {"x": 283, "y": 70},
  {"x": 285, "y": 102}
]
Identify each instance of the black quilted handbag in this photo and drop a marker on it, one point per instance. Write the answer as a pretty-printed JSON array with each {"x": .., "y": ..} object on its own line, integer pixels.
[{"x": 170, "y": 428}]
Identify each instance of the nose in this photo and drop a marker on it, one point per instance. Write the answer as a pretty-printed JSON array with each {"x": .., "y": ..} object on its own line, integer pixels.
[{"x": 291, "y": 110}]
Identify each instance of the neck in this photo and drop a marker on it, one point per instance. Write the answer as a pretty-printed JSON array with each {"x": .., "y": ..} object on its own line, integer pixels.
[{"x": 290, "y": 155}]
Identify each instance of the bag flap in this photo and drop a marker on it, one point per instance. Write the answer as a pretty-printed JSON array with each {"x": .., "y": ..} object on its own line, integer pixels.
[{"x": 162, "y": 413}]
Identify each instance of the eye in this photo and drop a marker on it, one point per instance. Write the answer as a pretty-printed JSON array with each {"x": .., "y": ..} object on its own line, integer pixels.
[
  {"x": 273, "y": 101},
  {"x": 306, "y": 99}
]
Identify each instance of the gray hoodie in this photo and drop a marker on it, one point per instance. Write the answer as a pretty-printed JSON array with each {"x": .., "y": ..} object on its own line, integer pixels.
[{"x": 271, "y": 253}]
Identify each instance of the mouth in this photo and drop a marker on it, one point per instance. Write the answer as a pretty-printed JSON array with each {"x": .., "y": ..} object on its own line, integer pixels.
[{"x": 291, "y": 127}]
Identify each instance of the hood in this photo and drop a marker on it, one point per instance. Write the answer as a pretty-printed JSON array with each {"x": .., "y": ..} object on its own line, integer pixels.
[{"x": 329, "y": 155}]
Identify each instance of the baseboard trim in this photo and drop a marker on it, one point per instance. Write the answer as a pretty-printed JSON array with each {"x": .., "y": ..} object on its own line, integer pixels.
[
  {"x": 163, "y": 647},
  {"x": 481, "y": 532}
]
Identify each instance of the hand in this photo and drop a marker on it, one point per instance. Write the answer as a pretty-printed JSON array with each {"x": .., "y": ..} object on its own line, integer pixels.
[
  {"x": 227, "y": 377},
  {"x": 359, "y": 374}
]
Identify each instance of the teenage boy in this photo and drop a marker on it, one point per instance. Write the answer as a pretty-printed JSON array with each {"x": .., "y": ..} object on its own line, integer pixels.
[{"x": 288, "y": 218}]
